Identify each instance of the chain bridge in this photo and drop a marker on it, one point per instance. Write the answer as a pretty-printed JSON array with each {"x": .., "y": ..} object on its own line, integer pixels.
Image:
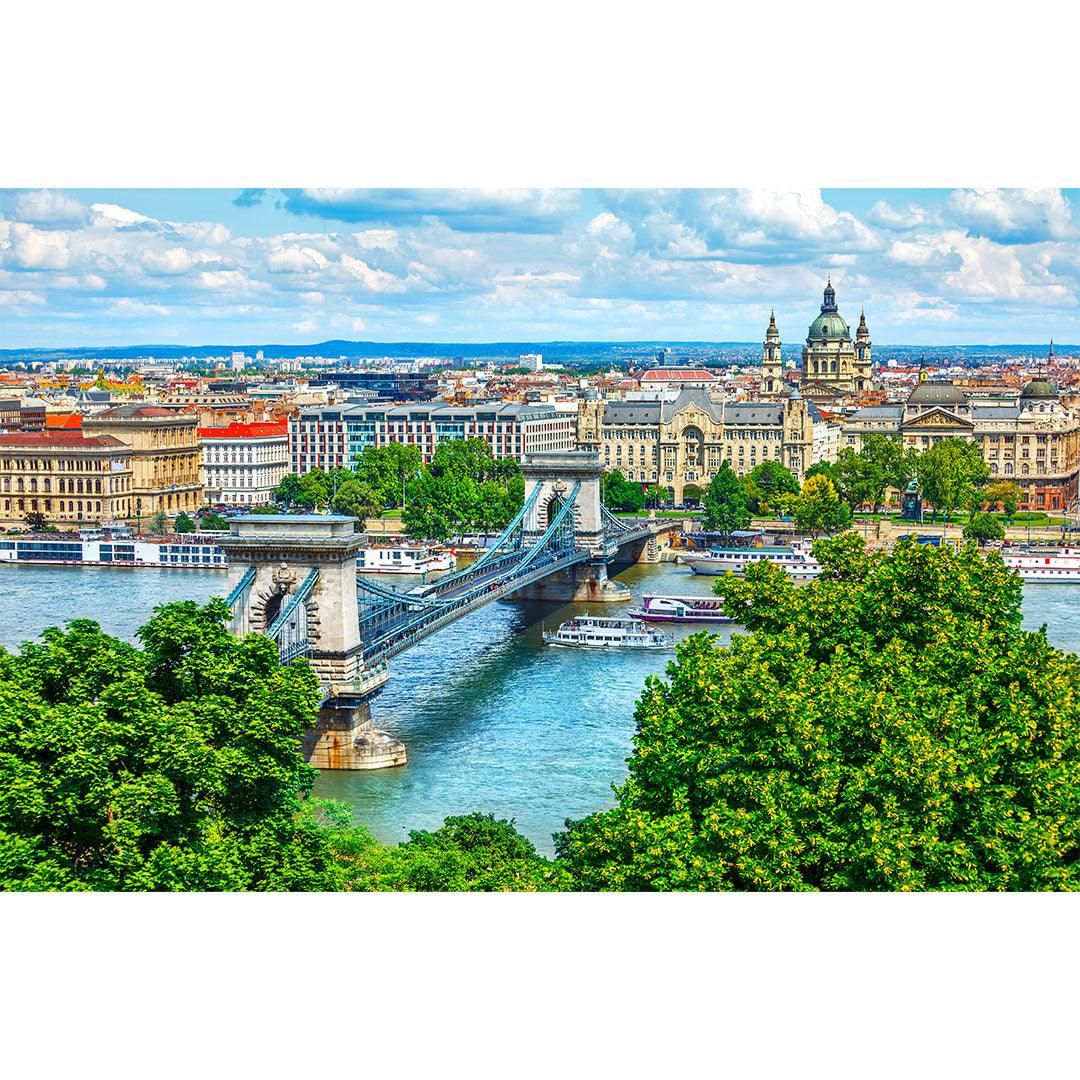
[{"x": 294, "y": 579}]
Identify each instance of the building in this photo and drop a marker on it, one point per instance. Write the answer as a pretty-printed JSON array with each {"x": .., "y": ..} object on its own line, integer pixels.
[
  {"x": 67, "y": 476},
  {"x": 679, "y": 445},
  {"x": 1032, "y": 440},
  {"x": 531, "y": 361},
  {"x": 677, "y": 378},
  {"x": 334, "y": 437},
  {"x": 388, "y": 385},
  {"x": 243, "y": 463},
  {"x": 21, "y": 414},
  {"x": 166, "y": 456},
  {"x": 833, "y": 365}
]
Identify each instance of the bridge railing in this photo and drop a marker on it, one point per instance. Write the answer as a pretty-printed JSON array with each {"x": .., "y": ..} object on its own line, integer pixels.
[{"x": 290, "y": 629}]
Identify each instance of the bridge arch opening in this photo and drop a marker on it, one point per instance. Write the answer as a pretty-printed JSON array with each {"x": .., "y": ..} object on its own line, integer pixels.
[
  {"x": 272, "y": 607},
  {"x": 551, "y": 511}
]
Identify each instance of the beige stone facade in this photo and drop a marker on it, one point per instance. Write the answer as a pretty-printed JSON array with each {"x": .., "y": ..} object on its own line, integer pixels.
[
  {"x": 680, "y": 444},
  {"x": 1033, "y": 441},
  {"x": 166, "y": 456},
  {"x": 70, "y": 478}
]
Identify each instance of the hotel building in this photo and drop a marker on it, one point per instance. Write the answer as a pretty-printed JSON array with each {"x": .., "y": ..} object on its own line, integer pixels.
[{"x": 244, "y": 462}]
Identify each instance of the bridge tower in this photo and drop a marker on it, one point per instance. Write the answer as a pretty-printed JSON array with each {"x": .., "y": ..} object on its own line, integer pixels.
[
  {"x": 294, "y": 578},
  {"x": 555, "y": 472}
]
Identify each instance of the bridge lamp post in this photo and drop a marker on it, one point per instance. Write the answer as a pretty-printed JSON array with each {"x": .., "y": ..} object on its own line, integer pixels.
[{"x": 138, "y": 517}]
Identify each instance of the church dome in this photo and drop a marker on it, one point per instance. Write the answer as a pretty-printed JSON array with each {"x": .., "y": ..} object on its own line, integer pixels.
[
  {"x": 1039, "y": 388},
  {"x": 937, "y": 393},
  {"x": 829, "y": 325}
]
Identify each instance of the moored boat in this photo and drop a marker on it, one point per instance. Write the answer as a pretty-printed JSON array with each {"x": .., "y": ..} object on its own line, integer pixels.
[
  {"x": 797, "y": 559},
  {"x": 1050, "y": 566},
  {"x": 592, "y": 632},
  {"x": 403, "y": 559},
  {"x": 682, "y": 609}
]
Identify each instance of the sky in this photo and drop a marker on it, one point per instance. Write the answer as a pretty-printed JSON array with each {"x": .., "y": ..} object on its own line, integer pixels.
[{"x": 294, "y": 266}]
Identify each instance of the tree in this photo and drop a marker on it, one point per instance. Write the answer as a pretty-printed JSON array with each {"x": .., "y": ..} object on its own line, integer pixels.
[
  {"x": 356, "y": 499},
  {"x": 387, "y": 470},
  {"x": 724, "y": 505},
  {"x": 765, "y": 482},
  {"x": 819, "y": 509},
  {"x": 214, "y": 523},
  {"x": 620, "y": 494},
  {"x": 183, "y": 523},
  {"x": 159, "y": 524},
  {"x": 315, "y": 487},
  {"x": 654, "y": 496},
  {"x": 984, "y": 526},
  {"x": 35, "y": 521},
  {"x": 440, "y": 508},
  {"x": 171, "y": 767},
  {"x": 1004, "y": 493},
  {"x": 889, "y": 726},
  {"x": 289, "y": 491},
  {"x": 691, "y": 495},
  {"x": 948, "y": 470},
  {"x": 472, "y": 853}
]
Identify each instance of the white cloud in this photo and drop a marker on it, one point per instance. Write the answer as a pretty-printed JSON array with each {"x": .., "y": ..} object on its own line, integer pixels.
[
  {"x": 1021, "y": 215},
  {"x": 48, "y": 207}
]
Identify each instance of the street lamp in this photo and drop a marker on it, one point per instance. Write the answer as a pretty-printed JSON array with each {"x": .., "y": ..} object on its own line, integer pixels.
[{"x": 138, "y": 517}]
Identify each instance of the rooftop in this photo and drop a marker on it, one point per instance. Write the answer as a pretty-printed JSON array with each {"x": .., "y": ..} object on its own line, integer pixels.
[{"x": 76, "y": 440}]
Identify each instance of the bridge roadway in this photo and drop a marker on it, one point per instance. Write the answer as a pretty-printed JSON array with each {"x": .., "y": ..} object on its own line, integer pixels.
[{"x": 396, "y": 621}]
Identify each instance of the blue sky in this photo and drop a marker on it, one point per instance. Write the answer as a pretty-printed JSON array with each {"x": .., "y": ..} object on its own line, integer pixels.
[{"x": 195, "y": 266}]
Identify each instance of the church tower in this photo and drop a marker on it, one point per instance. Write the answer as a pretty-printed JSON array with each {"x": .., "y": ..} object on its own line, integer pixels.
[
  {"x": 771, "y": 373},
  {"x": 862, "y": 355},
  {"x": 828, "y": 358}
]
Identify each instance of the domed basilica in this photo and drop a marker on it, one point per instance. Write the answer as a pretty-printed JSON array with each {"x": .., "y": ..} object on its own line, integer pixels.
[{"x": 833, "y": 365}]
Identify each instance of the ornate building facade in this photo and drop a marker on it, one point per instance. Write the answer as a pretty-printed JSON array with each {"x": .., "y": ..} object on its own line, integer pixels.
[
  {"x": 166, "y": 457},
  {"x": 679, "y": 444},
  {"x": 833, "y": 365},
  {"x": 1033, "y": 441}
]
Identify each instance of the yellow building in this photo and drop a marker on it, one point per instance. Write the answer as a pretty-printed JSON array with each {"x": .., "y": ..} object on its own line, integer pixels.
[
  {"x": 679, "y": 444},
  {"x": 166, "y": 457},
  {"x": 67, "y": 477}
]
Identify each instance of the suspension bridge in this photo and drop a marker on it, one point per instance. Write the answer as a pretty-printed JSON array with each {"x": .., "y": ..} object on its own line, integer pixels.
[{"x": 294, "y": 579}]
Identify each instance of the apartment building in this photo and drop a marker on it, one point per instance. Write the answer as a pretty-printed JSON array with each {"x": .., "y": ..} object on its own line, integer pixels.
[{"x": 243, "y": 463}]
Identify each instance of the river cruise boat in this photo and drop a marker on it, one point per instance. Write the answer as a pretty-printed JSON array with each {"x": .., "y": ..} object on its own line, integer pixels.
[
  {"x": 404, "y": 559},
  {"x": 592, "y": 632},
  {"x": 1050, "y": 566},
  {"x": 682, "y": 609},
  {"x": 797, "y": 560},
  {"x": 182, "y": 552}
]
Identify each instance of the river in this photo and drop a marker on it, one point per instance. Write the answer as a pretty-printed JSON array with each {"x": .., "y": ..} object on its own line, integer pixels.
[{"x": 492, "y": 718}]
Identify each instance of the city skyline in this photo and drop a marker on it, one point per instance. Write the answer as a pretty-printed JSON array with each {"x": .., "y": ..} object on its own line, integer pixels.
[{"x": 113, "y": 267}]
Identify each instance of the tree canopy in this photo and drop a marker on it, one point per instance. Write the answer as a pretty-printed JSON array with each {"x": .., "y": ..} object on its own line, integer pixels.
[
  {"x": 725, "y": 505},
  {"x": 948, "y": 471},
  {"x": 621, "y": 494},
  {"x": 765, "y": 482},
  {"x": 887, "y": 726},
  {"x": 819, "y": 509}
]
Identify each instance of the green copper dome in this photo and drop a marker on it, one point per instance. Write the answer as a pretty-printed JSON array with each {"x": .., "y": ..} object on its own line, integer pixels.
[
  {"x": 1039, "y": 388},
  {"x": 829, "y": 325}
]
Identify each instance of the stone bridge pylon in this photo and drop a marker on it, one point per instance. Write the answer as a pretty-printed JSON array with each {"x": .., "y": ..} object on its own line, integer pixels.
[
  {"x": 294, "y": 578},
  {"x": 555, "y": 473}
]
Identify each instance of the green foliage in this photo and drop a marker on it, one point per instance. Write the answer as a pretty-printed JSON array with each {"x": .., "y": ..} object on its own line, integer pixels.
[
  {"x": 183, "y": 523},
  {"x": 819, "y": 508},
  {"x": 887, "y": 726},
  {"x": 35, "y": 521},
  {"x": 654, "y": 496},
  {"x": 387, "y": 469},
  {"x": 725, "y": 505},
  {"x": 692, "y": 495},
  {"x": 1004, "y": 493},
  {"x": 289, "y": 491},
  {"x": 474, "y": 853},
  {"x": 171, "y": 767},
  {"x": 864, "y": 476},
  {"x": 159, "y": 524},
  {"x": 464, "y": 490},
  {"x": 621, "y": 494},
  {"x": 214, "y": 523},
  {"x": 984, "y": 526},
  {"x": 766, "y": 482},
  {"x": 356, "y": 499},
  {"x": 948, "y": 471}
]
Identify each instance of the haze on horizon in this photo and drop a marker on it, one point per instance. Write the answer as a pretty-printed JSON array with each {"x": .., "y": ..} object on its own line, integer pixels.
[{"x": 97, "y": 268}]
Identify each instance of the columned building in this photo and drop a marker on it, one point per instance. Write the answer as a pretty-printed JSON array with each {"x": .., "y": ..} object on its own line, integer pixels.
[
  {"x": 680, "y": 444},
  {"x": 244, "y": 462},
  {"x": 69, "y": 478},
  {"x": 166, "y": 458},
  {"x": 1033, "y": 441}
]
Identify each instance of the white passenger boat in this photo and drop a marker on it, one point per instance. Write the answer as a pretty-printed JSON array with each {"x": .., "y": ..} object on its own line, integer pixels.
[
  {"x": 1050, "y": 566},
  {"x": 403, "y": 559},
  {"x": 181, "y": 551},
  {"x": 798, "y": 559},
  {"x": 684, "y": 609},
  {"x": 591, "y": 632}
]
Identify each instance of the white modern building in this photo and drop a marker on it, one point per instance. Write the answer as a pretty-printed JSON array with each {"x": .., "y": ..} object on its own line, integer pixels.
[{"x": 244, "y": 462}]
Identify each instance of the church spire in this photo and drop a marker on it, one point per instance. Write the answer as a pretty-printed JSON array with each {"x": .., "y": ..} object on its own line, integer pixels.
[{"x": 829, "y": 306}]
